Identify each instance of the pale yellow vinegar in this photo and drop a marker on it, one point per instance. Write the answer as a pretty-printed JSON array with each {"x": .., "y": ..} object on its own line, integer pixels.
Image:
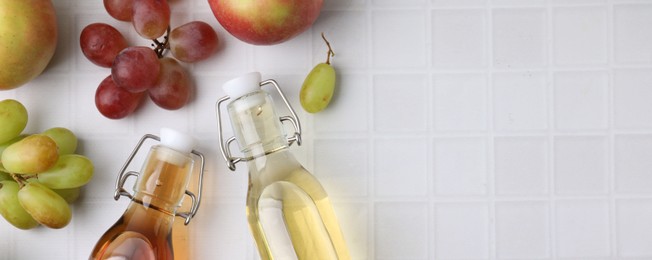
[{"x": 295, "y": 216}]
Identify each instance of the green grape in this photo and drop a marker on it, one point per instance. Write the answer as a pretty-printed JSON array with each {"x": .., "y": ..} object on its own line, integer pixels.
[
  {"x": 44, "y": 205},
  {"x": 69, "y": 195},
  {"x": 11, "y": 209},
  {"x": 31, "y": 155},
  {"x": 70, "y": 171},
  {"x": 13, "y": 119},
  {"x": 65, "y": 139},
  {"x": 318, "y": 87}
]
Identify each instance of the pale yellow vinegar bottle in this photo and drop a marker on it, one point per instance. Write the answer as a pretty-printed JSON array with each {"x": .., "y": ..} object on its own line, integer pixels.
[
  {"x": 289, "y": 213},
  {"x": 144, "y": 231}
]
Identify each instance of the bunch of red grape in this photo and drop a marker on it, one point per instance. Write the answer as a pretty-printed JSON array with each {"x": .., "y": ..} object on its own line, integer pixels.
[{"x": 140, "y": 70}]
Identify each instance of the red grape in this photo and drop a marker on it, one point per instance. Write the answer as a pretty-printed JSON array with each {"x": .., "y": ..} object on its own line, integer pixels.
[
  {"x": 100, "y": 43},
  {"x": 120, "y": 9},
  {"x": 173, "y": 88},
  {"x": 193, "y": 41},
  {"x": 136, "y": 68},
  {"x": 115, "y": 102},
  {"x": 151, "y": 18}
]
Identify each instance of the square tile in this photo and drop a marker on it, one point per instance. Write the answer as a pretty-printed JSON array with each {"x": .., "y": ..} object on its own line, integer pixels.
[
  {"x": 40, "y": 101},
  {"x": 580, "y": 35},
  {"x": 67, "y": 43},
  {"x": 456, "y": 3},
  {"x": 400, "y": 102},
  {"x": 221, "y": 227},
  {"x": 521, "y": 165},
  {"x": 351, "y": 99},
  {"x": 204, "y": 113},
  {"x": 631, "y": 38},
  {"x": 519, "y": 38},
  {"x": 581, "y": 165},
  {"x": 347, "y": 33},
  {"x": 274, "y": 58},
  {"x": 150, "y": 118},
  {"x": 632, "y": 155},
  {"x": 571, "y": 2},
  {"x": 106, "y": 171},
  {"x": 391, "y": 3},
  {"x": 519, "y": 101},
  {"x": 460, "y": 166},
  {"x": 634, "y": 227},
  {"x": 582, "y": 228},
  {"x": 390, "y": 241},
  {"x": 459, "y": 38},
  {"x": 342, "y": 172},
  {"x": 460, "y": 102},
  {"x": 581, "y": 100},
  {"x": 395, "y": 47},
  {"x": 461, "y": 231},
  {"x": 522, "y": 230},
  {"x": 518, "y": 2},
  {"x": 401, "y": 167},
  {"x": 631, "y": 98}
]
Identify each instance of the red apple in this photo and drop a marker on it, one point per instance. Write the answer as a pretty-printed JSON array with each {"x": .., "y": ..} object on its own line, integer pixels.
[{"x": 265, "y": 22}]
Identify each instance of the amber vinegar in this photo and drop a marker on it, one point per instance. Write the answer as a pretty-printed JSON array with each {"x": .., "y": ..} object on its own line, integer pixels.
[{"x": 145, "y": 230}]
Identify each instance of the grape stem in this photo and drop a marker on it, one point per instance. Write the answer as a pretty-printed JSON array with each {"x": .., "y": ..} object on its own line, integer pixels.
[
  {"x": 161, "y": 47},
  {"x": 19, "y": 179},
  {"x": 330, "y": 50}
]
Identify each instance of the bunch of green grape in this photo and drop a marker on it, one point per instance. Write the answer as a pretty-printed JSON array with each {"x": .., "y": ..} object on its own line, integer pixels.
[{"x": 40, "y": 174}]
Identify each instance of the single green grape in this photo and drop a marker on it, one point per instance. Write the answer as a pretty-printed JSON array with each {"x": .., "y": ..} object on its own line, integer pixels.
[
  {"x": 69, "y": 195},
  {"x": 44, "y": 205},
  {"x": 31, "y": 155},
  {"x": 13, "y": 119},
  {"x": 70, "y": 171},
  {"x": 318, "y": 87},
  {"x": 10, "y": 207},
  {"x": 65, "y": 139}
]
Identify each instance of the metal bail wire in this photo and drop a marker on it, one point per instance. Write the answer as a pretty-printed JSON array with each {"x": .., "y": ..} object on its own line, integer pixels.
[
  {"x": 123, "y": 175},
  {"x": 225, "y": 146}
]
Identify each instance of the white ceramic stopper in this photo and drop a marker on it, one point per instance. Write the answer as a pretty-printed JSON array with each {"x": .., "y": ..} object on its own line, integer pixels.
[
  {"x": 242, "y": 85},
  {"x": 176, "y": 140}
]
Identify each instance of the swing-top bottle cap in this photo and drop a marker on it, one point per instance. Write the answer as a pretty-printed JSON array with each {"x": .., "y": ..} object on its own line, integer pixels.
[
  {"x": 242, "y": 85},
  {"x": 176, "y": 140}
]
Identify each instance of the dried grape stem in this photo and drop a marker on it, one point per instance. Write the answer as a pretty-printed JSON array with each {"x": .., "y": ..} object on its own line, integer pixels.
[
  {"x": 161, "y": 47},
  {"x": 330, "y": 50},
  {"x": 19, "y": 179}
]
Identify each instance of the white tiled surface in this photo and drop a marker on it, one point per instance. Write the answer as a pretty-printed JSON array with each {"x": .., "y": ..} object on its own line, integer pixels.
[{"x": 461, "y": 129}]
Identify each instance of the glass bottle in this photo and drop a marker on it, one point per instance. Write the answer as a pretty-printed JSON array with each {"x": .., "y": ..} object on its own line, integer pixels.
[
  {"x": 289, "y": 213},
  {"x": 144, "y": 232}
]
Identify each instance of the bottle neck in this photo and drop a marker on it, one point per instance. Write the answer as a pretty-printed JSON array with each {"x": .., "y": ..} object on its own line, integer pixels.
[
  {"x": 163, "y": 180},
  {"x": 256, "y": 126}
]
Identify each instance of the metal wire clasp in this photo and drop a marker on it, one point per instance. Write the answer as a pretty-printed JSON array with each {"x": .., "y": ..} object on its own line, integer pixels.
[
  {"x": 123, "y": 175},
  {"x": 225, "y": 146}
]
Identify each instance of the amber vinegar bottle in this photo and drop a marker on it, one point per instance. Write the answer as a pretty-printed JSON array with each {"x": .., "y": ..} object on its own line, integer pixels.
[
  {"x": 288, "y": 211},
  {"x": 144, "y": 232}
]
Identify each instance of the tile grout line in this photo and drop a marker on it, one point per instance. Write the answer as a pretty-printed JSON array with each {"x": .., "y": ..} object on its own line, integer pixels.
[
  {"x": 371, "y": 210},
  {"x": 490, "y": 128},
  {"x": 550, "y": 111},
  {"x": 489, "y": 71},
  {"x": 611, "y": 172}
]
